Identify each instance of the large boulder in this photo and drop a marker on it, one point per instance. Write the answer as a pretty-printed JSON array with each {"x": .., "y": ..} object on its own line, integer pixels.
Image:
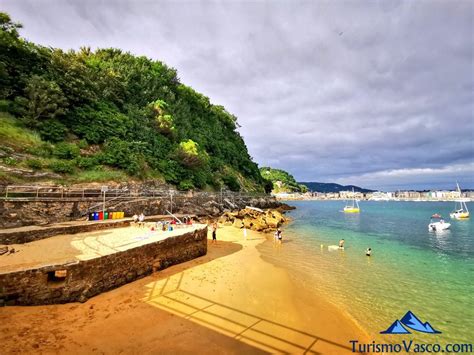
[
  {"x": 259, "y": 224},
  {"x": 272, "y": 222}
]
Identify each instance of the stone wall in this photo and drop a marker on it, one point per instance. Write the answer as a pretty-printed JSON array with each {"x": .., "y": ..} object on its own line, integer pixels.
[
  {"x": 81, "y": 280},
  {"x": 33, "y": 233},
  {"x": 21, "y": 213}
]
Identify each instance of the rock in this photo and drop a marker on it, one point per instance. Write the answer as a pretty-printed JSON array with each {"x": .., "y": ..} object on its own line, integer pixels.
[
  {"x": 259, "y": 224},
  {"x": 272, "y": 222},
  {"x": 247, "y": 222}
]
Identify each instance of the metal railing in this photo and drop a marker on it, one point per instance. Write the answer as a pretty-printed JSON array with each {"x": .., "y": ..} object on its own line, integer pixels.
[{"x": 60, "y": 193}]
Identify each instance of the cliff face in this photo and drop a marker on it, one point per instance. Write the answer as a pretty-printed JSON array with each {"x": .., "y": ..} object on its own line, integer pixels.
[{"x": 20, "y": 213}]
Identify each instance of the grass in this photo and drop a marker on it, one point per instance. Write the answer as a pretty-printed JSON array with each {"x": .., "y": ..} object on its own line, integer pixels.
[
  {"x": 13, "y": 134},
  {"x": 99, "y": 176}
]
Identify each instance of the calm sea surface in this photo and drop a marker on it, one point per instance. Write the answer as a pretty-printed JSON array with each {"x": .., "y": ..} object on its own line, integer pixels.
[{"x": 431, "y": 274}]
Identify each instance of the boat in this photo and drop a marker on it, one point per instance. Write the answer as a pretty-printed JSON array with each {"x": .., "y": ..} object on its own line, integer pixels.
[
  {"x": 354, "y": 207},
  {"x": 438, "y": 224},
  {"x": 460, "y": 207}
]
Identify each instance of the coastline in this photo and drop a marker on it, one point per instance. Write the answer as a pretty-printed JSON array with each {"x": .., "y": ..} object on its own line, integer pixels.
[{"x": 229, "y": 301}]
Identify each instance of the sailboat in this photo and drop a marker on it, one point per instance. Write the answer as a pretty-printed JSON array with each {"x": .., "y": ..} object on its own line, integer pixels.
[
  {"x": 460, "y": 207},
  {"x": 354, "y": 207}
]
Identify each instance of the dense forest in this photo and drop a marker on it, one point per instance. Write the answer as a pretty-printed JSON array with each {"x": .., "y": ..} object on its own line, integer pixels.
[
  {"x": 282, "y": 181},
  {"x": 107, "y": 114}
]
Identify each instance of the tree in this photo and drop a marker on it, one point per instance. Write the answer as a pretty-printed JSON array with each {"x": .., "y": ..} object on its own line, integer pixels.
[
  {"x": 164, "y": 121},
  {"x": 45, "y": 100},
  {"x": 189, "y": 155}
]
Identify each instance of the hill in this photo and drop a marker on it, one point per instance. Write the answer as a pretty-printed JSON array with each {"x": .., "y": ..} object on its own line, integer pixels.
[
  {"x": 332, "y": 187},
  {"x": 281, "y": 180},
  {"x": 102, "y": 115}
]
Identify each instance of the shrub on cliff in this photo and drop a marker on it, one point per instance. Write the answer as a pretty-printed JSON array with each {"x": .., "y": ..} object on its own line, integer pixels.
[{"x": 62, "y": 166}]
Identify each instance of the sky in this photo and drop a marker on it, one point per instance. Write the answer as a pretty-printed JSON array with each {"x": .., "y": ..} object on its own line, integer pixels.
[{"x": 378, "y": 94}]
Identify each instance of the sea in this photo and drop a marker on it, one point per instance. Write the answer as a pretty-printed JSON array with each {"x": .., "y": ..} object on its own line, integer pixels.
[{"x": 412, "y": 269}]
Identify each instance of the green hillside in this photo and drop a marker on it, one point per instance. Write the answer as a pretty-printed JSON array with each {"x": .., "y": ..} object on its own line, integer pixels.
[
  {"x": 106, "y": 114},
  {"x": 282, "y": 181}
]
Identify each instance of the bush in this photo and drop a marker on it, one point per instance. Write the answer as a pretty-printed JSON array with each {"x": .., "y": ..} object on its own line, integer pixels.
[
  {"x": 185, "y": 185},
  {"x": 10, "y": 161},
  {"x": 124, "y": 155},
  {"x": 98, "y": 123},
  {"x": 4, "y": 106},
  {"x": 62, "y": 167},
  {"x": 87, "y": 163},
  {"x": 43, "y": 150},
  {"x": 34, "y": 164},
  {"x": 65, "y": 150},
  {"x": 52, "y": 130},
  {"x": 82, "y": 144},
  {"x": 231, "y": 182}
]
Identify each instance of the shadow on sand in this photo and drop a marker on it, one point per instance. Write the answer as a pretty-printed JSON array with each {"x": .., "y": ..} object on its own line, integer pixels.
[{"x": 264, "y": 334}]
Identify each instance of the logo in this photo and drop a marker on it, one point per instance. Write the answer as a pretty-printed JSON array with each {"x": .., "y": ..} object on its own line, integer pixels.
[{"x": 410, "y": 322}]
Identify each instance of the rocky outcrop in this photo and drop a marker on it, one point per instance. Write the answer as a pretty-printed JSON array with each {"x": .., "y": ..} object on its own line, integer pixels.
[
  {"x": 24, "y": 213},
  {"x": 262, "y": 221}
]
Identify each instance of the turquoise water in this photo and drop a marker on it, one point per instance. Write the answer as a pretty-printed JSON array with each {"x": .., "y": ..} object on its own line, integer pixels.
[{"x": 431, "y": 274}]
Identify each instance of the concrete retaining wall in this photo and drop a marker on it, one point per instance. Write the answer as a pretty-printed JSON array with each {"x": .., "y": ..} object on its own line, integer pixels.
[{"x": 81, "y": 280}]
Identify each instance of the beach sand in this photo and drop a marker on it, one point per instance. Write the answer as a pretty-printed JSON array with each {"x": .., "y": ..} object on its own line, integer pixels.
[{"x": 229, "y": 301}]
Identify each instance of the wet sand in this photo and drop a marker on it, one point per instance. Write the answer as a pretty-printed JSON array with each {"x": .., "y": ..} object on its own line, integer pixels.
[{"x": 229, "y": 301}]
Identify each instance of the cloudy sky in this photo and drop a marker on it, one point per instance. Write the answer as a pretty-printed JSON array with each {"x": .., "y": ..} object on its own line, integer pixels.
[{"x": 374, "y": 93}]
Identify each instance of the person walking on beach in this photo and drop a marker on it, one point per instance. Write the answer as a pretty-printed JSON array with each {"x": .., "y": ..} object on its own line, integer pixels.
[
  {"x": 214, "y": 232},
  {"x": 341, "y": 244},
  {"x": 368, "y": 252},
  {"x": 280, "y": 237},
  {"x": 141, "y": 220}
]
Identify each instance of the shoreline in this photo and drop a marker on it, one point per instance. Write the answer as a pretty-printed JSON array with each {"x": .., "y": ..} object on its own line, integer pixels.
[
  {"x": 301, "y": 287},
  {"x": 228, "y": 301}
]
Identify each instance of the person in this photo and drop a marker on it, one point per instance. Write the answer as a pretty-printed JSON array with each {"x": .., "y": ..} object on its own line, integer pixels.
[
  {"x": 275, "y": 237},
  {"x": 135, "y": 218},
  {"x": 341, "y": 244},
  {"x": 279, "y": 235},
  {"x": 245, "y": 233},
  {"x": 141, "y": 219},
  {"x": 368, "y": 252},
  {"x": 214, "y": 232}
]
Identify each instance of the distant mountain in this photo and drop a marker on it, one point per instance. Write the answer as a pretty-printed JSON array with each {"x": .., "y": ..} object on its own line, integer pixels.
[{"x": 332, "y": 187}]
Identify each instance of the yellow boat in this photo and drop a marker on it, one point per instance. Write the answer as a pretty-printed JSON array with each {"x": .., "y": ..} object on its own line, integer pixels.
[
  {"x": 354, "y": 208},
  {"x": 460, "y": 208},
  {"x": 349, "y": 209}
]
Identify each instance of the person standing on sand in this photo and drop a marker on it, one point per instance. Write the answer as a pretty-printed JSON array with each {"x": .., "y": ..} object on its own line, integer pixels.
[
  {"x": 214, "y": 232},
  {"x": 341, "y": 244},
  {"x": 280, "y": 237}
]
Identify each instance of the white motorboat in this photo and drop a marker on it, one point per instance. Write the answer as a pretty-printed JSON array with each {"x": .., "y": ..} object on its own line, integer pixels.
[{"x": 438, "y": 224}]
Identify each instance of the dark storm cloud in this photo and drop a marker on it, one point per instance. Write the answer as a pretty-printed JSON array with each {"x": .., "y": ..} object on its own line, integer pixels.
[{"x": 376, "y": 93}]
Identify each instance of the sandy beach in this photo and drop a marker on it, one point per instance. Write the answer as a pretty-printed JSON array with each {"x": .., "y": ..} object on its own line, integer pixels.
[{"x": 229, "y": 301}]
